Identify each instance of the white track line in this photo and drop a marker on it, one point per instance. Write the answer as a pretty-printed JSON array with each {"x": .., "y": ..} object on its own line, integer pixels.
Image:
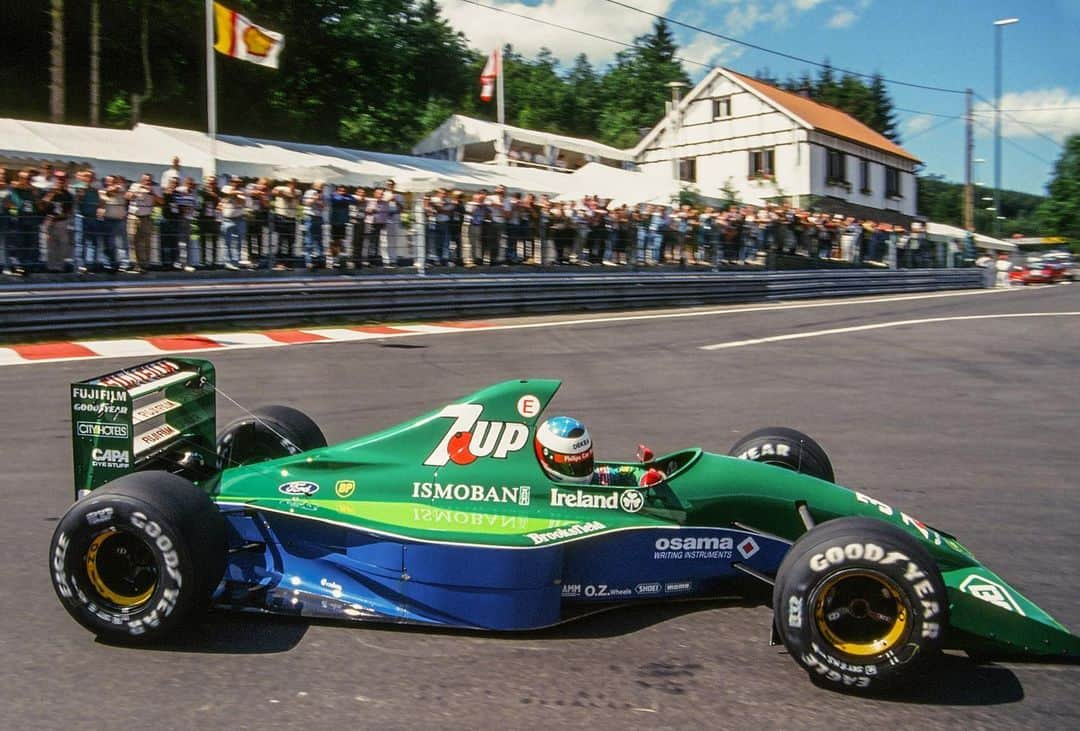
[{"x": 879, "y": 326}]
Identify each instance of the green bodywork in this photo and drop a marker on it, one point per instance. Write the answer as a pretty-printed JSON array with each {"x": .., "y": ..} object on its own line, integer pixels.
[{"x": 468, "y": 474}]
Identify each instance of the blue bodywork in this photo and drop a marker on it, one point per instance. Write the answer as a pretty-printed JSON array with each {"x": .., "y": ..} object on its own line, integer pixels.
[{"x": 287, "y": 564}]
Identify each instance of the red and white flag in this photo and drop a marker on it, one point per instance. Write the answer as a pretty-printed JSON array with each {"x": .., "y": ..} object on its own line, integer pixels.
[
  {"x": 240, "y": 38},
  {"x": 487, "y": 76}
]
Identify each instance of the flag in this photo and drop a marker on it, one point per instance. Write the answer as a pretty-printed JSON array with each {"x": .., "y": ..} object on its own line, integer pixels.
[
  {"x": 487, "y": 76},
  {"x": 239, "y": 38}
]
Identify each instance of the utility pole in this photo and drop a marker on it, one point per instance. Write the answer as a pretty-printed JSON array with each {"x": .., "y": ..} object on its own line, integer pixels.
[{"x": 969, "y": 149}]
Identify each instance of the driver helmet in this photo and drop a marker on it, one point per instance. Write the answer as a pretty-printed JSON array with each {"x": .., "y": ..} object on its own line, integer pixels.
[{"x": 565, "y": 449}]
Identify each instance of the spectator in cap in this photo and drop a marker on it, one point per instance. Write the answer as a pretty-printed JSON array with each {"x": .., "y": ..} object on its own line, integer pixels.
[{"x": 232, "y": 204}]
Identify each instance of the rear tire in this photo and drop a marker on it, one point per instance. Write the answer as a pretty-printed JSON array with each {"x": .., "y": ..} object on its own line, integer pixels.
[
  {"x": 860, "y": 605},
  {"x": 138, "y": 556},
  {"x": 268, "y": 432},
  {"x": 787, "y": 448}
]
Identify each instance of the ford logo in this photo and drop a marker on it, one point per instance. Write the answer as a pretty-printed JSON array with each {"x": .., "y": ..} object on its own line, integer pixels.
[{"x": 298, "y": 487}]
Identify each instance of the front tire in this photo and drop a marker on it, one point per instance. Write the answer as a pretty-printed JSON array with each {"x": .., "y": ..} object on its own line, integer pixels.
[
  {"x": 139, "y": 556},
  {"x": 860, "y": 605},
  {"x": 787, "y": 448}
]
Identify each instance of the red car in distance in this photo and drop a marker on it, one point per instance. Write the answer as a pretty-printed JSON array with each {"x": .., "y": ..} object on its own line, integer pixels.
[{"x": 1038, "y": 271}]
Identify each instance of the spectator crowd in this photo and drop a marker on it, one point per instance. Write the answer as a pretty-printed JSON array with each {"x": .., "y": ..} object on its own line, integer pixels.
[{"x": 49, "y": 222}]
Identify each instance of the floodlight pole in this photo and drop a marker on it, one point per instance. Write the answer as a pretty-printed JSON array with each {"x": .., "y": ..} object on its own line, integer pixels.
[
  {"x": 998, "y": 25},
  {"x": 211, "y": 89}
]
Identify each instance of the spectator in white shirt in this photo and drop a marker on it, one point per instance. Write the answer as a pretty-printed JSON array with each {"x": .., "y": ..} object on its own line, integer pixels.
[{"x": 232, "y": 203}]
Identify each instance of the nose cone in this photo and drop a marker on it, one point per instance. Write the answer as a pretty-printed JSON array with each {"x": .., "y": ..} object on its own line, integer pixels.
[{"x": 989, "y": 617}]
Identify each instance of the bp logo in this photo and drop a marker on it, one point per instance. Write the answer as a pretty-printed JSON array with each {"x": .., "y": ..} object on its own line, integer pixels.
[
  {"x": 345, "y": 488},
  {"x": 990, "y": 591},
  {"x": 631, "y": 501}
]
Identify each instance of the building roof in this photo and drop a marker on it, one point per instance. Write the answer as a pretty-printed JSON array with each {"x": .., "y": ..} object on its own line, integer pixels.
[
  {"x": 825, "y": 118},
  {"x": 805, "y": 112},
  {"x": 458, "y": 129}
]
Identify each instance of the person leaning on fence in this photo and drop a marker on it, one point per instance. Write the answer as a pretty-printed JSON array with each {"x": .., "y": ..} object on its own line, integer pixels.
[
  {"x": 312, "y": 225},
  {"x": 395, "y": 204},
  {"x": 286, "y": 202},
  {"x": 59, "y": 206},
  {"x": 142, "y": 197},
  {"x": 7, "y": 217},
  {"x": 26, "y": 200},
  {"x": 112, "y": 213},
  {"x": 169, "y": 228},
  {"x": 233, "y": 226},
  {"x": 88, "y": 226},
  {"x": 358, "y": 214},
  {"x": 207, "y": 201},
  {"x": 187, "y": 201},
  {"x": 340, "y": 205},
  {"x": 256, "y": 220}
]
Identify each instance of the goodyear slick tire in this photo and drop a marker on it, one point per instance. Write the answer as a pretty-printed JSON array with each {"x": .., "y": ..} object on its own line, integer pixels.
[
  {"x": 169, "y": 522},
  {"x": 248, "y": 440},
  {"x": 881, "y": 566},
  {"x": 784, "y": 447}
]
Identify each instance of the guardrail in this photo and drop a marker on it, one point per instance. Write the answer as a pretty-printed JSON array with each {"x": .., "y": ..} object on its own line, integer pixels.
[{"x": 97, "y": 309}]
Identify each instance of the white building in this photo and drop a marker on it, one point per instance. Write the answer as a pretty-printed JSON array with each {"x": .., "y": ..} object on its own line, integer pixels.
[
  {"x": 737, "y": 137},
  {"x": 466, "y": 139}
]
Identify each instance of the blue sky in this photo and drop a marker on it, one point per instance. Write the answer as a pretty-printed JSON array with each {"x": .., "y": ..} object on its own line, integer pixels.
[{"x": 949, "y": 44}]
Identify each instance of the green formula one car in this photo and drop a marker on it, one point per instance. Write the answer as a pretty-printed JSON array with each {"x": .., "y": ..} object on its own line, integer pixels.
[{"x": 454, "y": 519}]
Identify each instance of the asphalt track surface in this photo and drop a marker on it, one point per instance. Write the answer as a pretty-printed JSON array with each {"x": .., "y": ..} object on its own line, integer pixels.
[{"x": 970, "y": 425}]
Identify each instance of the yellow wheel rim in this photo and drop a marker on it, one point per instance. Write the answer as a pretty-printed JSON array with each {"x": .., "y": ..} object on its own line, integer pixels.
[
  {"x": 861, "y": 613},
  {"x": 121, "y": 569}
]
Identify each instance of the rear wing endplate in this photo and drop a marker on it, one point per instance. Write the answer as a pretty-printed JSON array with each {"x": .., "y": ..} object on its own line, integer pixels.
[{"x": 123, "y": 420}]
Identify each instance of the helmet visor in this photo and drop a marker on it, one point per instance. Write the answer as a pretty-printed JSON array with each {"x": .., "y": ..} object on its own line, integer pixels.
[{"x": 569, "y": 465}]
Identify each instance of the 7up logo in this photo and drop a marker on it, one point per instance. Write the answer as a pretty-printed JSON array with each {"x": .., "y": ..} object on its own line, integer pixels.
[{"x": 470, "y": 437}]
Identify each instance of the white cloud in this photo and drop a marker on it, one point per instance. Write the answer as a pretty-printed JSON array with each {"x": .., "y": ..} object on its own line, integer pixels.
[
  {"x": 1052, "y": 112},
  {"x": 487, "y": 29},
  {"x": 842, "y": 18},
  {"x": 914, "y": 125}
]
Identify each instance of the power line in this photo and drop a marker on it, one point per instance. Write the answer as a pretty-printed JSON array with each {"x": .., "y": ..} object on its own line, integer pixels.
[
  {"x": 1022, "y": 123},
  {"x": 1041, "y": 109},
  {"x": 684, "y": 59},
  {"x": 789, "y": 56},
  {"x": 931, "y": 128},
  {"x": 987, "y": 128},
  {"x": 928, "y": 114},
  {"x": 596, "y": 36}
]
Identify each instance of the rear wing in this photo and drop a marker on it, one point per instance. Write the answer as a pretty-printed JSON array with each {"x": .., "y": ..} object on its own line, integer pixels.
[{"x": 122, "y": 421}]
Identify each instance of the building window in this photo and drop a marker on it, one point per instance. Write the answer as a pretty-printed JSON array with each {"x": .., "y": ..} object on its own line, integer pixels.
[
  {"x": 721, "y": 107},
  {"x": 835, "y": 167},
  {"x": 762, "y": 163},
  {"x": 864, "y": 176},
  {"x": 892, "y": 183},
  {"x": 688, "y": 170}
]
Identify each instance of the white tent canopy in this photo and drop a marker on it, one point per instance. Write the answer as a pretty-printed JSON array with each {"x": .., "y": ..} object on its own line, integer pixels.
[
  {"x": 461, "y": 130},
  {"x": 150, "y": 148},
  {"x": 945, "y": 232},
  {"x": 621, "y": 186}
]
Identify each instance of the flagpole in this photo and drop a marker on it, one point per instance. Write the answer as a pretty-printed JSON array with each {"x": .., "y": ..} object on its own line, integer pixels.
[
  {"x": 211, "y": 87},
  {"x": 501, "y": 105}
]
